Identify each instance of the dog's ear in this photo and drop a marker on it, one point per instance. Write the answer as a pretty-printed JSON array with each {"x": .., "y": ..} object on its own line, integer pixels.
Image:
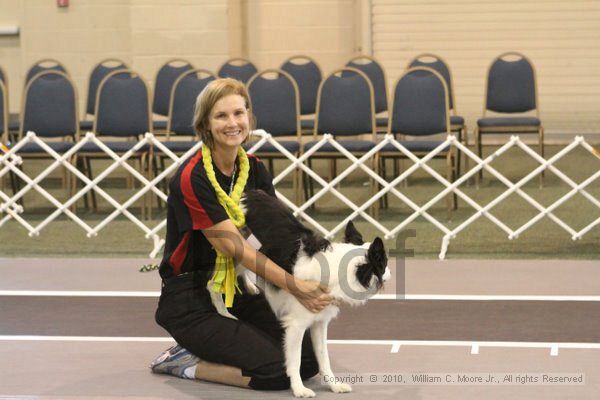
[
  {"x": 376, "y": 263},
  {"x": 376, "y": 254},
  {"x": 351, "y": 235}
]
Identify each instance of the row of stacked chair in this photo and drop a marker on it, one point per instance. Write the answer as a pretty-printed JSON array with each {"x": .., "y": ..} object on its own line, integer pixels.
[{"x": 346, "y": 103}]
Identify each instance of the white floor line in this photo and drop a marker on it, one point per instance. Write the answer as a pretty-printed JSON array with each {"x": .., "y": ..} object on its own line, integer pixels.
[
  {"x": 78, "y": 293},
  {"x": 473, "y": 345},
  {"x": 447, "y": 297},
  {"x": 463, "y": 297},
  {"x": 395, "y": 344},
  {"x": 37, "y": 338}
]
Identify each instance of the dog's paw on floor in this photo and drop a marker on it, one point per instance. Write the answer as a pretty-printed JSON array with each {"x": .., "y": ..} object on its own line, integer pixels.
[
  {"x": 341, "y": 388},
  {"x": 303, "y": 392}
]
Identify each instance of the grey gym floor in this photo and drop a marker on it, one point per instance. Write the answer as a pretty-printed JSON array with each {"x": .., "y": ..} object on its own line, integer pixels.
[{"x": 106, "y": 342}]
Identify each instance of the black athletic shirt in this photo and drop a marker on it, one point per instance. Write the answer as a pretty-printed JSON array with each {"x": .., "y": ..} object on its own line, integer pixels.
[{"x": 193, "y": 206}]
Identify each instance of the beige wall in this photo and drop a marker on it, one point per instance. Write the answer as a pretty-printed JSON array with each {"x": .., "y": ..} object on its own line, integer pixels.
[
  {"x": 197, "y": 31},
  {"x": 324, "y": 30},
  {"x": 10, "y": 48},
  {"x": 143, "y": 33},
  {"x": 562, "y": 38},
  {"x": 147, "y": 33}
]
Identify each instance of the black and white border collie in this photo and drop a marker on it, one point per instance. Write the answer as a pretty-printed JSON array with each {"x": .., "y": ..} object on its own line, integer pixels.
[{"x": 353, "y": 271}]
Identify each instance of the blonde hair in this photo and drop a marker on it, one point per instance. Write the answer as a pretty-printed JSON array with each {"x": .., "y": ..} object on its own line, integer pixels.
[{"x": 207, "y": 99}]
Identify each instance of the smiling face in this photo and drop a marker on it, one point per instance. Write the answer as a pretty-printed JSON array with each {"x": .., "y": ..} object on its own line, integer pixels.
[
  {"x": 222, "y": 115},
  {"x": 229, "y": 122}
]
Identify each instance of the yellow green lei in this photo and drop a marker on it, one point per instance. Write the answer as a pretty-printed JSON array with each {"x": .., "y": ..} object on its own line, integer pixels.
[{"x": 224, "y": 279}]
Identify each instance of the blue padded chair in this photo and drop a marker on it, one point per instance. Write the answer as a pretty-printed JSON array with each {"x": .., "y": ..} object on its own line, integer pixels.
[
  {"x": 345, "y": 109},
  {"x": 47, "y": 64},
  {"x": 237, "y": 68},
  {"x": 420, "y": 108},
  {"x": 457, "y": 122},
  {"x": 101, "y": 70},
  {"x": 376, "y": 74},
  {"x": 511, "y": 93},
  {"x": 275, "y": 103},
  {"x": 122, "y": 112},
  {"x": 181, "y": 136},
  {"x": 184, "y": 93},
  {"x": 49, "y": 108},
  {"x": 180, "y": 132},
  {"x": 307, "y": 74},
  {"x": 163, "y": 85}
]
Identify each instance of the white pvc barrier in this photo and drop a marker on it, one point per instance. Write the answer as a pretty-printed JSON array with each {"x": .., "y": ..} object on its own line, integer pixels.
[{"x": 10, "y": 160}]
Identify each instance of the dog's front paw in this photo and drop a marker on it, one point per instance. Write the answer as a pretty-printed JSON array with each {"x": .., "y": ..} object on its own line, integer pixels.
[
  {"x": 303, "y": 391},
  {"x": 341, "y": 388}
]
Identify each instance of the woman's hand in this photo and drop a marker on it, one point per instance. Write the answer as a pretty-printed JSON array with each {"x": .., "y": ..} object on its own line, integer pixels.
[{"x": 311, "y": 295}]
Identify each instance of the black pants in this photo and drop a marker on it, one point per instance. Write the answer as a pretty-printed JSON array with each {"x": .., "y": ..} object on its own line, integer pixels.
[{"x": 253, "y": 343}]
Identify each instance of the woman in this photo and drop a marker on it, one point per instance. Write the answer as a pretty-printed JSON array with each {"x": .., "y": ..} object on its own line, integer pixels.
[{"x": 202, "y": 238}]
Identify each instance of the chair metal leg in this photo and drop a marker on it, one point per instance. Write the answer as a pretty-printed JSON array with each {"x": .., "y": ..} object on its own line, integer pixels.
[
  {"x": 311, "y": 188},
  {"x": 450, "y": 198},
  {"x": 164, "y": 181},
  {"x": 458, "y": 152},
  {"x": 466, "y": 143},
  {"x": 332, "y": 169},
  {"x": 541, "y": 146},
  {"x": 305, "y": 188},
  {"x": 64, "y": 178},
  {"x": 271, "y": 167},
  {"x": 296, "y": 184},
  {"x": 452, "y": 178},
  {"x": 479, "y": 174},
  {"x": 382, "y": 172},
  {"x": 153, "y": 167},
  {"x": 142, "y": 165},
  {"x": 80, "y": 165},
  {"x": 88, "y": 167},
  {"x": 15, "y": 186},
  {"x": 73, "y": 184},
  {"x": 374, "y": 187},
  {"x": 129, "y": 181}
]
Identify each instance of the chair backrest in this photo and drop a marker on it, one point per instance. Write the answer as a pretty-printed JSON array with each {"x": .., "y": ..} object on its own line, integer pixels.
[
  {"x": 122, "y": 105},
  {"x": 275, "y": 102},
  {"x": 511, "y": 84},
  {"x": 49, "y": 105},
  {"x": 47, "y": 64},
  {"x": 237, "y": 68},
  {"x": 163, "y": 85},
  {"x": 438, "y": 64},
  {"x": 345, "y": 104},
  {"x": 420, "y": 103},
  {"x": 308, "y": 76},
  {"x": 375, "y": 72},
  {"x": 3, "y": 111},
  {"x": 98, "y": 73},
  {"x": 184, "y": 93}
]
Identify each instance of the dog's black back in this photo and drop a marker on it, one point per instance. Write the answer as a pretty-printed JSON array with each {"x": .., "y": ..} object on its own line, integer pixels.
[{"x": 279, "y": 232}]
